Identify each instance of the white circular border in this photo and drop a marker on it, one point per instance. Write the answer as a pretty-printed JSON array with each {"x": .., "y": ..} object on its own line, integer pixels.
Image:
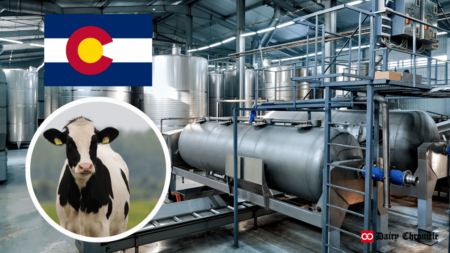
[{"x": 50, "y": 220}]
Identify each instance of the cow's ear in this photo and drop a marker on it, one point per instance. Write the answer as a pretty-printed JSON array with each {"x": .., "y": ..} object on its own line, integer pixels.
[
  {"x": 107, "y": 135},
  {"x": 55, "y": 137}
]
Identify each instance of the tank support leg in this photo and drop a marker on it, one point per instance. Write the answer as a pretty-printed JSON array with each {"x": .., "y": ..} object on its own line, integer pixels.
[
  {"x": 334, "y": 237},
  {"x": 382, "y": 224},
  {"x": 425, "y": 210}
]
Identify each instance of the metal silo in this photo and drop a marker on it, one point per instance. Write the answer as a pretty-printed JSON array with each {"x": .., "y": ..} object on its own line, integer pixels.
[
  {"x": 215, "y": 92},
  {"x": 72, "y": 93},
  {"x": 231, "y": 90},
  {"x": 180, "y": 90},
  {"x": 51, "y": 100},
  {"x": 22, "y": 105},
  {"x": 47, "y": 101},
  {"x": 283, "y": 75}
]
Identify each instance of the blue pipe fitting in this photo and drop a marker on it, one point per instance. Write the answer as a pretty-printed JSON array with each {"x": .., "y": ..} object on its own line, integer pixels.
[
  {"x": 403, "y": 178},
  {"x": 377, "y": 173},
  {"x": 398, "y": 177}
]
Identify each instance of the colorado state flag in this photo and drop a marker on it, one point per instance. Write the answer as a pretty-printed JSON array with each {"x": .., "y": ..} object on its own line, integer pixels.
[{"x": 98, "y": 50}]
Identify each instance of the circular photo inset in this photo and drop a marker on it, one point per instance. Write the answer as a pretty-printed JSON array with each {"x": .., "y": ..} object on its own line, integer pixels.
[{"x": 98, "y": 169}]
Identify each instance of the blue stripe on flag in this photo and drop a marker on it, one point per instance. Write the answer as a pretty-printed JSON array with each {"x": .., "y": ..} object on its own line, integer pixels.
[
  {"x": 117, "y": 74},
  {"x": 116, "y": 25}
]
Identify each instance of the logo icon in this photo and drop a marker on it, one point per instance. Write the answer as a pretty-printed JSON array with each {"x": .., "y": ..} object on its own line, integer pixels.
[
  {"x": 98, "y": 50},
  {"x": 367, "y": 236},
  {"x": 84, "y": 50}
]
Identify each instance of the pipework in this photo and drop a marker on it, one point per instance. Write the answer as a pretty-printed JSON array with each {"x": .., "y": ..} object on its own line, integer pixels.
[
  {"x": 397, "y": 177},
  {"x": 386, "y": 148}
]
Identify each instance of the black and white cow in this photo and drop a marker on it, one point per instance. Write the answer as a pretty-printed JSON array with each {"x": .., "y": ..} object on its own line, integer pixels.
[{"x": 93, "y": 195}]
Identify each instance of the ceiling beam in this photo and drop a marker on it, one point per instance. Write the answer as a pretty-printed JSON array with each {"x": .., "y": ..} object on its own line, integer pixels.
[
  {"x": 22, "y": 55},
  {"x": 248, "y": 8}
]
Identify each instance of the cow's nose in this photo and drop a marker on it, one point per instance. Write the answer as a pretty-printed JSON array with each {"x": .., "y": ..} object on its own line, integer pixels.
[{"x": 85, "y": 166}]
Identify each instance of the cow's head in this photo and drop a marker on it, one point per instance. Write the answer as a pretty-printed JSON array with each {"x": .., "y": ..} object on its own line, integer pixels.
[{"x": 81, "y": 139}]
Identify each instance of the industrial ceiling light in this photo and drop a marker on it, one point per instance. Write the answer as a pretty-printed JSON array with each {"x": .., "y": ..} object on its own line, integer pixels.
[
  {"x": 354, "y": 3},
  {"x": 228, "y": 40},
  {"x": 215, "y": 45},
  {"x": 192, "y": 50},
  {"x": 266, "y": 30},
  {"x": 353, "y": 48},
  {"x": 286, "y": 24},
  {"x": 202, "y": 48},
  {"x": 12, "y": 41},
  {"x": 441, "y": 33},
  {"x": 36, "y": 45},
  {"x": 248, "y": 34}
]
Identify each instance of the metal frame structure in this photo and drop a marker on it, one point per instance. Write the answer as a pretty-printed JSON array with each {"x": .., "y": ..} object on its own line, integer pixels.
[{"x": 366, "y": 83}]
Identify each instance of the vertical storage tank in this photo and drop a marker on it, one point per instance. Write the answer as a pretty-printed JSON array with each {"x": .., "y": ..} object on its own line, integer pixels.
[
  {"x": 180, "y": 90},
  {"x": 51, "y": 100},
  {"x": 72, "y": 93},
  {"x": 283, "y": 75},
  {"x": 215, "y": 93},
  {"x": 231, "y": 90},
  {"x": 22, "y": 105}
]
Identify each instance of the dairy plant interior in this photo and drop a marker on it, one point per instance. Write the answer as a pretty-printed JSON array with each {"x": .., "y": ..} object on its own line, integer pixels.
[{"x": 327, "y": 118}]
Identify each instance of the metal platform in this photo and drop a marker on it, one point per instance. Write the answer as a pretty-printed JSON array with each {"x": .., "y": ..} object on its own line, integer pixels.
[{"x": 180, "y": 219}]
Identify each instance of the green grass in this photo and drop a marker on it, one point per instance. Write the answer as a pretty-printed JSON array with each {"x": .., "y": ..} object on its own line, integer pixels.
[
  {"x": 139, "y": 210},
  {"x": 50, "y": 209}
]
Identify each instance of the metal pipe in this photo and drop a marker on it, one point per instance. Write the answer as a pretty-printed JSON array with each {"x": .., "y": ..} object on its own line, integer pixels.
[
  {"x": 386, "y": 148},
  {"x": 268, "y": 35},
  {"x": 189, "y": 32},
  {"x": 240, "y": 48},
  {"x": 386, "y": 161}
]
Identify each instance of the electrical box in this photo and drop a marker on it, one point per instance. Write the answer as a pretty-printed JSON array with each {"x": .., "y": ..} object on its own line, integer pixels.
[
  {"x": 429, "y": 15},
  {"x": 404, "y": 27}
]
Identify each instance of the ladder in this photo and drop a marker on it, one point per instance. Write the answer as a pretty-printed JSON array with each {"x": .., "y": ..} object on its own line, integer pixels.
[{"x": 370, "y": 156}]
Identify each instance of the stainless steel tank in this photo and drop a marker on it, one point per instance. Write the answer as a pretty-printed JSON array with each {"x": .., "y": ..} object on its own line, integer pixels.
[
  {"x": 51, "y": 99},
  {"x": 180, "y": 90},
  {"x": 408, "y": 130},
  {"x": 47, "y": 101},
  {"x": 283, "y": 76},
  {"x": 231, "y": 90},
  {"x": 72, "y": 93},
  {"x": 137, "y": 96},
  {"x": 293, "y": 158},
  {"x": 215, "y": 93},
  {"x": 22, "y": 105}
]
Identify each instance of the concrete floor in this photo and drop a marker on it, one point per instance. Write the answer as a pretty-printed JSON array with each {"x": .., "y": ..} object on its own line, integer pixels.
[{"x": 22, "y": 229}]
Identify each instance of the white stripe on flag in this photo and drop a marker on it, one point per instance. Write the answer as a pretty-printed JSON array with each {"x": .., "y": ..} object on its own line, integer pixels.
[
  {"x": 55, "y": 50},
  {"x": 120, "y": 50}
]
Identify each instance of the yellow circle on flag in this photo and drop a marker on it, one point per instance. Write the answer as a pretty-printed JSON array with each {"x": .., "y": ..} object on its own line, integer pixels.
[{"x": 90, "y": 50}]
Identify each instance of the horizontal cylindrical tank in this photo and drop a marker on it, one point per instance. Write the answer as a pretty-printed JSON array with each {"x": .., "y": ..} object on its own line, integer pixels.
[
  {"x": 22, "y": 105},
  {"x": 179, "y": 90},
  {"x": 293, "y": 157},
  {"x": 408, "y": 130},
  {"x": 72, "y": 93},
  {"x": 215, "y": 93}
]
